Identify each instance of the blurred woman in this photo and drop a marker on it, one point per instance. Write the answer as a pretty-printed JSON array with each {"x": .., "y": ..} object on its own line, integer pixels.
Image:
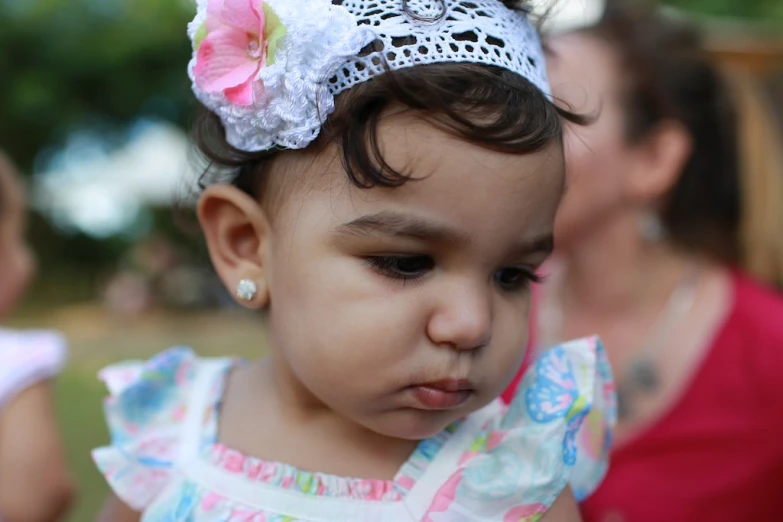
[{"x": 675, "y": 196}]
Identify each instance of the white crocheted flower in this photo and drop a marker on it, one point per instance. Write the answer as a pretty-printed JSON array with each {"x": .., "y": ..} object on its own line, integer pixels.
[
  {"x": 270, "y": 69},
  {"x": 263, "y": 66}
]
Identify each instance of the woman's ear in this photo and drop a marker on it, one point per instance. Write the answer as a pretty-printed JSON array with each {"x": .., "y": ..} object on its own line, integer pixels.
[
  {"x": 238, "y": 233},
  {"x": 660, "y": 160}
]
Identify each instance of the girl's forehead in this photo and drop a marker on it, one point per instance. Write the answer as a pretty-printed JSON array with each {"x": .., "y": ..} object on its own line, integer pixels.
[
  {"x": 410, "y": 144},
  {"x": 468, "y": 187}
]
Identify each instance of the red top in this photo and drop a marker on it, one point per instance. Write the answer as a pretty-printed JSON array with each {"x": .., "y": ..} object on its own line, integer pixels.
[{"x": 717, "y": 454}]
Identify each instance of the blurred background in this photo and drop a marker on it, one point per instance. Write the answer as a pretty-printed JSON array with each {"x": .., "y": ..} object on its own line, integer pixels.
[{"x": 95, "y": 107}]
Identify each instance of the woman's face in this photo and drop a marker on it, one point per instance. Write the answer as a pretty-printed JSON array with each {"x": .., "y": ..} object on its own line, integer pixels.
[{"x": 586, "y": 77}]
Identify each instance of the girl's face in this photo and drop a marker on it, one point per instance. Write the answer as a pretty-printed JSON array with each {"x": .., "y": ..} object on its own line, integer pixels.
[
  {"x": 404, "y": 309},
  {"x": 16, "y": 261},
  {"x": 584, "y": 74}
]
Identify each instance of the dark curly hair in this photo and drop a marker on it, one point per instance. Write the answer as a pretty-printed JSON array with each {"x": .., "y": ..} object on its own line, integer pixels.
[
  {"x": 669, "y": 75},
  {"x": 482, "y": 104}
]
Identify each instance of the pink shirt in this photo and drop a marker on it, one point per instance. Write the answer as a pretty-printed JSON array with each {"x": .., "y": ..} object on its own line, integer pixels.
[{"x": 717, "y": 454}]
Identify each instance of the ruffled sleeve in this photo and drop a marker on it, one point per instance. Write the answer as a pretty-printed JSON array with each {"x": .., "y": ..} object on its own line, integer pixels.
[
  {"x": 593, "y": 438},
  {"x": 145, "y": 412},
  {"x": 28, "y": 357},
  {"x": 556, "y": 432}
]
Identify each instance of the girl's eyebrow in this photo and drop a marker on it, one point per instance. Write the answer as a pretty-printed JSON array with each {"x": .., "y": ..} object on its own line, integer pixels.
[
  {"x": 396, "y": 224},
  {"x": 543, "y": 244},
  {"x": 402, "y": 225}
]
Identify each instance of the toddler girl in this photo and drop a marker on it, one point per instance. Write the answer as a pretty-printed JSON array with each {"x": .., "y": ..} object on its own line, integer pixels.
[
  {"x": 395, "y": 167},
  {"x": 34, "y": 482}
]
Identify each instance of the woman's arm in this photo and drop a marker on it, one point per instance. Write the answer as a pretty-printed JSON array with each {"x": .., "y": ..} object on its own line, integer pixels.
[
  {"x": 115, "y": 510},
  {"x": 34, "y": 482},
  {"x": 564, "y": 509}
]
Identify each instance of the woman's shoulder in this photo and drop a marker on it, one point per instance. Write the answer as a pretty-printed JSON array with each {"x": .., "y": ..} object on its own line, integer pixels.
[
  {"x": 757, "y": 308},
  {"x": 752, "y": 337},
  {"x": 756, "y": 316}
]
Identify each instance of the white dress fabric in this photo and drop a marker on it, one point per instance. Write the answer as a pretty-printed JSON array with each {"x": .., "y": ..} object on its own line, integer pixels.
[{"x": 499, "y": 464}]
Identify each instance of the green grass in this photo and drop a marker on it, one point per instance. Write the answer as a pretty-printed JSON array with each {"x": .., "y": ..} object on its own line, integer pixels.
[{"x": 79, "y": 407}]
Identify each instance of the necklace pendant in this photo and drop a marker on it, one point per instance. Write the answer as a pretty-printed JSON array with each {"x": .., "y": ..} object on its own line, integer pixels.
[
  {"x": 624, "y": 404},
  {"x": 644, "y": 375}
]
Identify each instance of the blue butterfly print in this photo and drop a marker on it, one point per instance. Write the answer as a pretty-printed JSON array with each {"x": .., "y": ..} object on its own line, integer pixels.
[
  {"x": 569, "y": 441},
  {"x": 554, "y": 389},
  {"x": 157, "y": 386}
]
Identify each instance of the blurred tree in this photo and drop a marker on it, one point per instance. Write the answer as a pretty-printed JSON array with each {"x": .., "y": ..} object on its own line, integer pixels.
[
  {"x": 755, "y": 9},
  {"x": 75, "y": 64},
  {"x": 70, "y": 63}
]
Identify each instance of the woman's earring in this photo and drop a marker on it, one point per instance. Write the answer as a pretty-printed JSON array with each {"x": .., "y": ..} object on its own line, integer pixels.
[
  {"x": 651, "y": 227},
  {"x": 247, "y": 289}
]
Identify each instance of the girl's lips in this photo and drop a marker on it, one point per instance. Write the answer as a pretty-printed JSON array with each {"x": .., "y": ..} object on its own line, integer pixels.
[{"x": 443, "y": 395}]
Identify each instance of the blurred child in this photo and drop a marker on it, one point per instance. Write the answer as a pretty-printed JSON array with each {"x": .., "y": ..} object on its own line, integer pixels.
[{"x": 34, "y": 482}]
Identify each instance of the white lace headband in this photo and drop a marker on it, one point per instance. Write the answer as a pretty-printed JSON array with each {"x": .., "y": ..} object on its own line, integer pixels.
[{"x": 270, "y": 69}]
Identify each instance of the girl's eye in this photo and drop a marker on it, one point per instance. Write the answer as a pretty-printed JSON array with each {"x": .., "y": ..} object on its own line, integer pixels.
[
  {"x": 515, "y": 278},
  {"x": 402, "y": 267}
]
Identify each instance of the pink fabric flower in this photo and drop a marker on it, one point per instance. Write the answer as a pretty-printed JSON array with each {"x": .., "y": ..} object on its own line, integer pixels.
[
  {"x": 234, "y": 49},
  {"x": 245, "y": 515},
  {"x": 443, "y": 498},
  {"x": 210, "y": 501},
  {"x": 254, "y": 468},
  {"x": 233, "y": 461}
]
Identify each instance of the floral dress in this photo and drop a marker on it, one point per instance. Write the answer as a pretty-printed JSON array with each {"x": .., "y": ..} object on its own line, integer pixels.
[
  {"x": 26, "y": 358},
  {"x": 499, "y": 464}
]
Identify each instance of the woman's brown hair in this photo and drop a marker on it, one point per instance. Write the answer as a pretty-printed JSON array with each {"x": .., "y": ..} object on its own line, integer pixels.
[
  {"x": 727, "y": 203},
  {"x": 668, "y": 75}
]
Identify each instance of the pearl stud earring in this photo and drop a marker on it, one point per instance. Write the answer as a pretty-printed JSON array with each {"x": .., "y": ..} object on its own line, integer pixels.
[{"x": 247, "y": 289}]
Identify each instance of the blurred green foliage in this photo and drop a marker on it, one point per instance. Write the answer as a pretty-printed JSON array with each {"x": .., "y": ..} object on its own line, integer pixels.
[
  {"x": 67, "y": 65},
  {"x": 768, "y": 10}
]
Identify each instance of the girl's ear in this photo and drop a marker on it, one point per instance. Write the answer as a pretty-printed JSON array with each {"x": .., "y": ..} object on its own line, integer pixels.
[{"x": 238, "y": 233}]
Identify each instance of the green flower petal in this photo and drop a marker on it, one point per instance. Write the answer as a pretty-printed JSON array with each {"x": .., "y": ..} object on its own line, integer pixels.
[
  {"x": 480, "y": 443},
  {"x": 579, "y": 405},
  {"x": 201, "y": 33},
  {"x": 274, "y": 30}
]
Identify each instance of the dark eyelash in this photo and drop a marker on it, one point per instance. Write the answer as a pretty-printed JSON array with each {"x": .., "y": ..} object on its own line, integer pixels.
[
  {"x": 387, "y": 267},
  {"x": 384, "y": 266},
  {"x": 528, "y": 277},
  {"x": 537, "y": 278}
]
